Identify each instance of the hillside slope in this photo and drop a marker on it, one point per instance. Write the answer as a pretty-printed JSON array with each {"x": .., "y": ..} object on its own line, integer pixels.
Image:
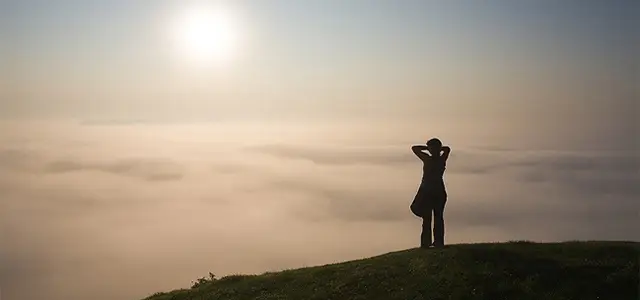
[{"x": 517, "y": 270}]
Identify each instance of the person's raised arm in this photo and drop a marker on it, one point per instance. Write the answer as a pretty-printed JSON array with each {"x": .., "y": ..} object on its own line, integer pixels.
[
  {"x": 445, "y": 152},
  {"x": 417, "y": 150}
]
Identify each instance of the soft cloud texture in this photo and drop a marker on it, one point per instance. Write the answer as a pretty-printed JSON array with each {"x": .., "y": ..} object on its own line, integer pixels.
[
  {"x": 120, "y": 212},
  {"x": 146, "y": 169},
  {"x": 339, "y": 155}
]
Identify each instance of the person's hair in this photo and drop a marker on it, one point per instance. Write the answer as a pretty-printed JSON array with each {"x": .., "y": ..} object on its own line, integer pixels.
[{"x": 434, "y": 142}]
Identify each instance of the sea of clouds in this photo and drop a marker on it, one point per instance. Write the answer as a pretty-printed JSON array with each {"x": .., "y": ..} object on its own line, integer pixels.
[{"x": 123, "y": 210}]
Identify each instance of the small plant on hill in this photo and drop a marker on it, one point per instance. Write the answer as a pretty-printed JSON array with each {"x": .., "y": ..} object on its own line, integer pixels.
[{"x": 203, "y": 280}]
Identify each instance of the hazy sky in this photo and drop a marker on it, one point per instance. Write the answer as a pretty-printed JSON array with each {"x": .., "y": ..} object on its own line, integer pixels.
[{"x": 126, "y": 169}]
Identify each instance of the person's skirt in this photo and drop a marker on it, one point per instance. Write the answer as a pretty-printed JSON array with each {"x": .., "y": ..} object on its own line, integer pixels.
[{"x": 425, "y": 198}]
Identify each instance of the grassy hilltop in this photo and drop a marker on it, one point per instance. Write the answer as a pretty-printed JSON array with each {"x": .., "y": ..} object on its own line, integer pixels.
[{"x": 516, "y": 270}]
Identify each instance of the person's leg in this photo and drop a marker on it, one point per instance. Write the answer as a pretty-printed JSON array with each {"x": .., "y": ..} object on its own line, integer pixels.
[
  {"x": 438, "y": 223},
  {"x": 425, "y": 236}
]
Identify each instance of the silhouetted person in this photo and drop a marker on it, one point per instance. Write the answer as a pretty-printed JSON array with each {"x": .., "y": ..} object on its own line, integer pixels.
[{"x": 431, "y": 196}]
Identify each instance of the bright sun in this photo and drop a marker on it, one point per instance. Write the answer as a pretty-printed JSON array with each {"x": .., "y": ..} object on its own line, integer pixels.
[{"x": 206, "y": 34}]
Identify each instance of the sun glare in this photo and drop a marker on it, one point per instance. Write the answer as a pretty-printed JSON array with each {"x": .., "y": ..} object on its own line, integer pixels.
[{"x": 206, "y": 34}]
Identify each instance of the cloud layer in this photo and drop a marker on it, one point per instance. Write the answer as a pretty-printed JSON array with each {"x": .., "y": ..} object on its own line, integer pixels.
[
  {"x": 146, "y": 169},
  {"x": 84, "y": 209}
]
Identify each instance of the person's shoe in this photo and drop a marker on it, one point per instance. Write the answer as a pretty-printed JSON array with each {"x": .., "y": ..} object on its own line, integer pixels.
[
  {"x": 438, "y": 245},
  {"x": 426, "y": 246}
]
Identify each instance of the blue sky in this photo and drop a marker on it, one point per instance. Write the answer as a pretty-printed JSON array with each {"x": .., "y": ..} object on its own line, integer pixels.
[
  {"x": 379, "y": 46},
  {"x": 570, "y": 63}
]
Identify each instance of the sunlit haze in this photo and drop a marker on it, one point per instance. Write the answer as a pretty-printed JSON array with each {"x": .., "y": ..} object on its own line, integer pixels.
[
  {"x": 146, "y": 143},
  {"x": 205, "y": 34}
]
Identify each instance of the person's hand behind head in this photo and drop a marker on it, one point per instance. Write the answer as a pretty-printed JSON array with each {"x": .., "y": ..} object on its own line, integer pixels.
[{"x": 434, "y": 150}]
